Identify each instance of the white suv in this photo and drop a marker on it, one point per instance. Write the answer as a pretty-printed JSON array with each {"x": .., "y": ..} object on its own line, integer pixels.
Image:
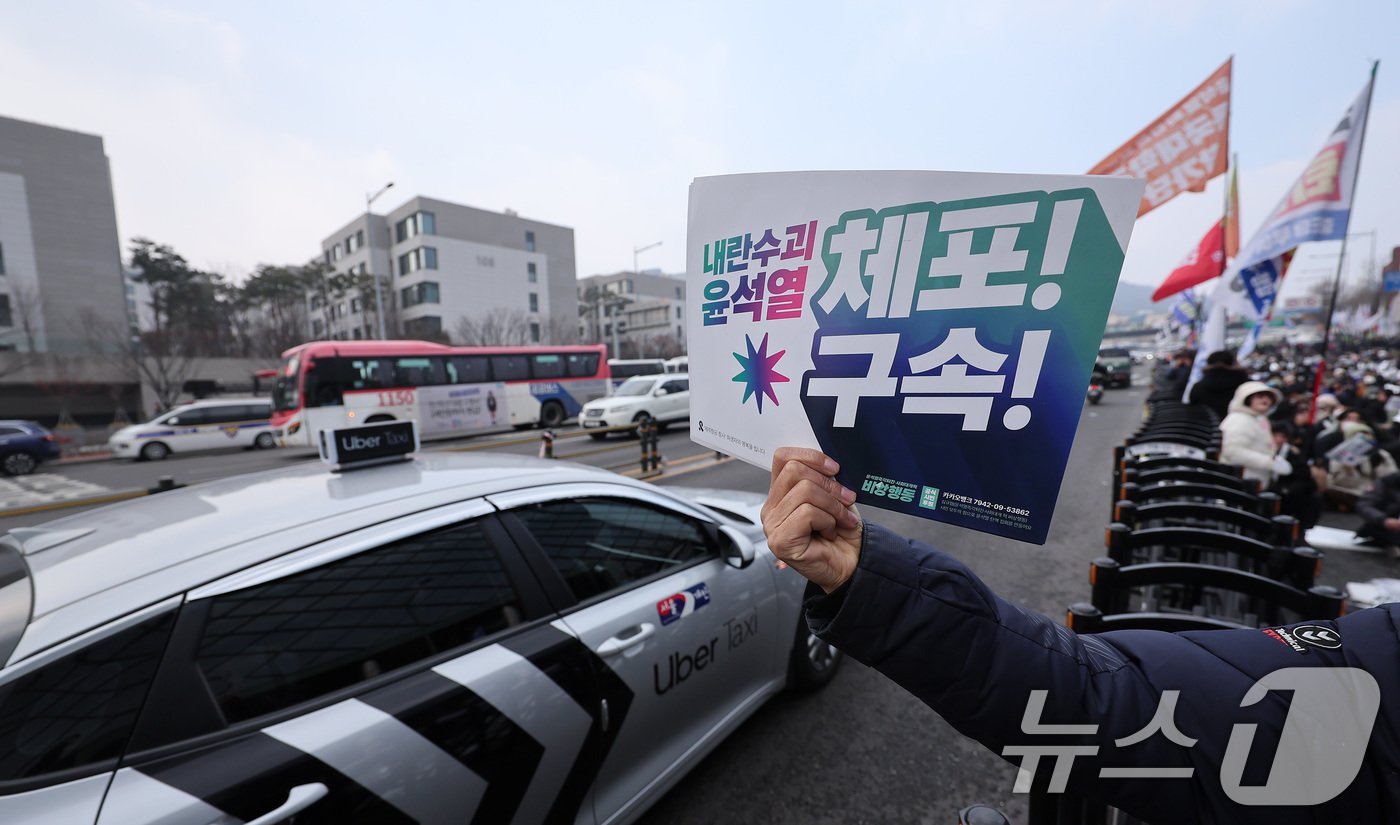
[{"x": 663, "y": 398}]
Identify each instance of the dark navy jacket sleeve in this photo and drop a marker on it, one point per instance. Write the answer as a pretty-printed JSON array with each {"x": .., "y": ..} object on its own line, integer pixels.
[{"x": 926, "y": 621}]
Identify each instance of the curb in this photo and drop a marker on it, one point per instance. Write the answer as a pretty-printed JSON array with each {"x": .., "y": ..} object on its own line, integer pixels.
[{"x": 106, "y": 498}]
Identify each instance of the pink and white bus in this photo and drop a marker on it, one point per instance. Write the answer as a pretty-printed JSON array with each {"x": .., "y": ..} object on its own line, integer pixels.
[{"x": 449, "y": 391}]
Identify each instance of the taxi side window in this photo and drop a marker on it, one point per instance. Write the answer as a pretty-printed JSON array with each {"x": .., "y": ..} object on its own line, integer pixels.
[
  {"x": 676, "y": 385},
  {"x": 78, "y": 711},
  {"x": 275, "y": 645},
  {"x": 602, "y": 544}
]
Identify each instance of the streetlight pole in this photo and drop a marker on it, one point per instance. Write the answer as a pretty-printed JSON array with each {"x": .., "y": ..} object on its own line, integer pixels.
[
  {"x": 636, "y": 250},
  {"x": 373, "y": 271}
]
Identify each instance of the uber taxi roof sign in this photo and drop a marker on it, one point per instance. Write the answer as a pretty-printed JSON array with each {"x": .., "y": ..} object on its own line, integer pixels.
[{"x": 370, "y": 444}]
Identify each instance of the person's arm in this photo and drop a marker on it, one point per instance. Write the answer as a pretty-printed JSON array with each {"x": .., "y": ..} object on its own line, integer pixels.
[{"x": 923, "y": 619}]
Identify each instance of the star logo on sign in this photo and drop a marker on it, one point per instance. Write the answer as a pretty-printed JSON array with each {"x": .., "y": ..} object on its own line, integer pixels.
[{"x": 759, "y": 372}]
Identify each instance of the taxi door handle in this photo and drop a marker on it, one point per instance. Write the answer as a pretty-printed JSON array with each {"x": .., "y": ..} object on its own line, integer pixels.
[
  {"x": 617, "y": 644},
  {"x": 298, "y": 799}
]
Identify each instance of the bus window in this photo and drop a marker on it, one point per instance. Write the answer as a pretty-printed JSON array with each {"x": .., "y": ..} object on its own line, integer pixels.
[
  {"x": 366, "y": 373},
  {"x": 417, "y": 372},
  {"x": 583, "y": 364},
  {"x": 548, "y": 366},
  {"x": 468, "y": 369},
  {"x": 510, "y": 367}
]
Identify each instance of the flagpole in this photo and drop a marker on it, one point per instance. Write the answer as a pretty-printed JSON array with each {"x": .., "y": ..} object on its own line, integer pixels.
[{"x": 1341, "y": 257}]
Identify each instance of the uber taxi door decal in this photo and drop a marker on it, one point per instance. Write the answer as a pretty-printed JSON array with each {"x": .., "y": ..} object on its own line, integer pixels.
[{"x": 511, "y": 733}]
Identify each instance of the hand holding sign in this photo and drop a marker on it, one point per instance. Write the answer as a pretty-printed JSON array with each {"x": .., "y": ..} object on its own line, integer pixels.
[{"x": 811, "y": 521}]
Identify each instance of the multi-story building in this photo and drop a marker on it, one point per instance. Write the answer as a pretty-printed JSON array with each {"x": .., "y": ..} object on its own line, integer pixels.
[
  {"x": 647, "y": 308},
  {"x": 62, "y": 286},
  {"x": 452, "y": 272}
]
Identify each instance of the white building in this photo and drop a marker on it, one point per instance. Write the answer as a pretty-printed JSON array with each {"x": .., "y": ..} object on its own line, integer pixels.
[{"x": 447, "y": 269}]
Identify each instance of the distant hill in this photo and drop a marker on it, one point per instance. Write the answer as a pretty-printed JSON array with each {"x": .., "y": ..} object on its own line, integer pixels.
[{"x": 1131, "y": 299}]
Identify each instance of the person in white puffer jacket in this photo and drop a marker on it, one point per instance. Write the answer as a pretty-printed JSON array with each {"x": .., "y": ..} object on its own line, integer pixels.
[{"x": 1246, "y": 439}]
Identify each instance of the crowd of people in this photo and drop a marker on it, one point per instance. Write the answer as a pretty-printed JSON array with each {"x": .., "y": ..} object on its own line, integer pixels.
[{"x": 1337, "y": 448}]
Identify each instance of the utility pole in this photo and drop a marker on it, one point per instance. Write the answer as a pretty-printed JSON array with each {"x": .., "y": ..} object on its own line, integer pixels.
[{"x": 373, "y": 271}]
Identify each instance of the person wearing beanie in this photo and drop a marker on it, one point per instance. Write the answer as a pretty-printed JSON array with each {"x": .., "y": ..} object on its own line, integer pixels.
[
  {"x": 1219, "y": 380},
  {"x": 1246, "y": 439}
]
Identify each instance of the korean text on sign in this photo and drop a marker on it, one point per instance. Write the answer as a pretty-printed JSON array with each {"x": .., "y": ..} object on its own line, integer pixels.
[
  {"x": 758, "y": 274},
  {"x": 878, "y": 261}
]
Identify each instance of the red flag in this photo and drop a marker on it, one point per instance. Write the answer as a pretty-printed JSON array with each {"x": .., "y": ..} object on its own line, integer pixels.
[{"x": 1204, "y": 262}]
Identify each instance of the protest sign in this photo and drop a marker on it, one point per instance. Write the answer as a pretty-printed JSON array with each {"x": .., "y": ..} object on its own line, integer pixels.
[
  {"x": 932, "y": 331},
  {"x": 1354, "y": 451}
]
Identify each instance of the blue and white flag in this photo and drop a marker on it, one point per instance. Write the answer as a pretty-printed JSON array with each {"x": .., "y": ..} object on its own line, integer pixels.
[
  {"x": 1182, "y": 320},
  {"x": 1317, "y": 207}
]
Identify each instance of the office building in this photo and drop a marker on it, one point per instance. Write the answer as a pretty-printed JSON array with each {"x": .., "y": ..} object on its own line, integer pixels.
[
  {"x": 452, "y": 272},
  {"x": 62, "y": 286},
  {"x": 647, "y": 308}
]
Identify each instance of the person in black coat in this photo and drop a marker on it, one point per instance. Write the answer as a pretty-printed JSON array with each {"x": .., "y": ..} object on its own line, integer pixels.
[
  {"x": 1380, "y": 512},
  {"x": 1174, "y": 380},
  {"x": 1219, "y": 380}
]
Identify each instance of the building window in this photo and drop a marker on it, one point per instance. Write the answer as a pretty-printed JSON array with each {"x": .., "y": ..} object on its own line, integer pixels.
[
  {"x": 425, "y": 292},
  {"x": 531, "y": 274},
  {"x": 424, "y": 257},
  {"x": 356, "y": 334},
  {"x": 678, "y": 312},
  {"x": 629, "y": 286},
  {"x": 6, "y": 320},
  {"x": 429, "y": 326},
  {"x": 534, "y": 302},
  {"x": 419, "y": 223},
  {"x": 317, "y": 327},
  {"x": 529, "y": 241},
  {"x": 328, "y": 257},
  {"x": 337, "y": 252},
  {"x": 534, "y": 333},
  {"x": 355, "y": 305},
  {"x": 340, "y": 310},
  {"x": 2, "y": 259},
  {"x": 678, "y": 292}
]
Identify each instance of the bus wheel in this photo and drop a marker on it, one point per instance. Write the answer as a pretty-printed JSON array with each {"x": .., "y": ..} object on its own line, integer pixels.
[{"x": 551, "y": 415}]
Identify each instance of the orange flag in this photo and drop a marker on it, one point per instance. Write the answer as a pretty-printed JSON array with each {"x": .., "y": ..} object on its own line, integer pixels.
[
  {"x": 1181, "y": 150},
  {"x": 1232, "y": 213}
]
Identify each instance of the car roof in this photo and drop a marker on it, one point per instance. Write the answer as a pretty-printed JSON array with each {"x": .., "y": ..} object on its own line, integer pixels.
[
  {"x": 216, "y": 402},
  {"x": 96, "y": 566}
]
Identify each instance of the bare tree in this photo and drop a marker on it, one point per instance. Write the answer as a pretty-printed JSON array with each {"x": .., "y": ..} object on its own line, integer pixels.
[
  {"x": 496, "y": 329},
  {"x": 560, "y": 330},
  {"x": 155, "y": 359},
  {"x": 25, "y": 308}
]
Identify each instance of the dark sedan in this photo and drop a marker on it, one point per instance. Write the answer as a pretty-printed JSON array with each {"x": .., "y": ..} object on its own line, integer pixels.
[{"x": 23, "y": 446}]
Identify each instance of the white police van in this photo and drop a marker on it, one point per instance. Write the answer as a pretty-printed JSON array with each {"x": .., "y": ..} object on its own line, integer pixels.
[
  {"x": 446, "y": 638},
  {"x": 210, "y": 424}
]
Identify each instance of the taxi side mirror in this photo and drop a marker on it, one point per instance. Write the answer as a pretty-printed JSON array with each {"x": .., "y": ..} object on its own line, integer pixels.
[{"x": 737, "y": 548}]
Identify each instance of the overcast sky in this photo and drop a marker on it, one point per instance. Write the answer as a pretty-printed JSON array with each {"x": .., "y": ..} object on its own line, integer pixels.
[{"x": 243, "y": 133}]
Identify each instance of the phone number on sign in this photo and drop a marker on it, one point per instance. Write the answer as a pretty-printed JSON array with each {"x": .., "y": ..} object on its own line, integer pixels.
[{"x": 988, "y": 505}]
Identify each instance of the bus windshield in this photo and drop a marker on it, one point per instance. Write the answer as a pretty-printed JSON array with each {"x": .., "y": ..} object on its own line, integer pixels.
[{"x": 286, "y": 393}]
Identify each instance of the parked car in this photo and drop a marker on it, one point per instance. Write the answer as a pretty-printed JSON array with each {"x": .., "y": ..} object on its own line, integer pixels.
[
  {"x": 25, "y": 445},
  {"x": 1119, "y": 364},
  {"x": 663, "y": 398},
  {"x": 210, "y": 424},
  {"x": 452, "y": 638}
]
